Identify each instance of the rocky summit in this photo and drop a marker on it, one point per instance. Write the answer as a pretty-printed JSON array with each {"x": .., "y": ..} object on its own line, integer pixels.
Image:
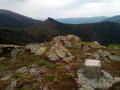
[
  {"x": 64, "y": 63},
  {"x": 69, "y": 40}
]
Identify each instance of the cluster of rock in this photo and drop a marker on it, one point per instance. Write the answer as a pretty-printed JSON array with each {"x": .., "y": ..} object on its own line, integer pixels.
[
  {"x": 8, "y": 51},
  {"x": 36, "y": 49},
  {"x": 15, "y": 82},
  {"x": 105, "y": 55},
  {"x": 92, "y": 77},
  {"x": 67, "y": 41},
  {"x": 95, "y": 44},
  {"x": 58, "y": 51}
]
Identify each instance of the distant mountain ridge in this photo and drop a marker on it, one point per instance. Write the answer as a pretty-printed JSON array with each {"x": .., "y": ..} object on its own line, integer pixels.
[
  {"x": 82, "y": 20},
  {"x": 14, "y": 20},
  {"x": 103, "y": 32},
  {"x": 114, "y": 19}
]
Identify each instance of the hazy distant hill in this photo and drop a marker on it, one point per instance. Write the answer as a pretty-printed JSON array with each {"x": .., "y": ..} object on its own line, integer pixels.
[
  {"x": 104, "y": 32},
  {"x": 114, "y": 19},
  {"x": 81, "y": 20},
  {"x": 14, "y": 20}
]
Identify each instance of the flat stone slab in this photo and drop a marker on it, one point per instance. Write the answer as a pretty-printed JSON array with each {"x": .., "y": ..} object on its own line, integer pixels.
[
  {"x": 92, "y": 68},
  {"x": 92, "y": 62}
]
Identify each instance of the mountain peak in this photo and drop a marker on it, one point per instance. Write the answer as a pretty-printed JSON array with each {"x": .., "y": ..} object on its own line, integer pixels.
[{"x": 50, "y": 19}]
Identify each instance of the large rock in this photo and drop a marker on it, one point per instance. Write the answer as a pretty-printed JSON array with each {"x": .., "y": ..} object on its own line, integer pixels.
[
  {"x": 106, "y": 81},
  {"x": 69, "y": 40},
  {"x": 95, "y": 44},
  {"x": 40, "y": 51},
  {"x": 85, "y": 87},
  {"x": 58, "y": 51},
  {"x": 114, "y": 57},
  {"x": 8, "y": 50},
  {"x": 2, "y": 58},
  {"x": 101, "y": 79},
  {"x": 22, "y": 70},
  {"x": 12, "y": 85},
  {"x": 105, "y": 55},
  {"x": 92, "y": 68},
  {"x": 32, "y": 47},
  {"x": 101, "y": 55},
  {"x": 36, "y": 49},
  {"x": 6, "y": 78}
]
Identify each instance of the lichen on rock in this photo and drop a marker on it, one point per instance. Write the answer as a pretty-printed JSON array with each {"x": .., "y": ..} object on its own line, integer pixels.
[
  {"x": 58, "y": 51},
  {"x": 104, "y": 82},
  {"x": 68, "y": 41}
]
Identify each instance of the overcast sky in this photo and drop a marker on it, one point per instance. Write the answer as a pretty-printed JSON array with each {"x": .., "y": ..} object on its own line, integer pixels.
[{"x": 62, "y": 8}]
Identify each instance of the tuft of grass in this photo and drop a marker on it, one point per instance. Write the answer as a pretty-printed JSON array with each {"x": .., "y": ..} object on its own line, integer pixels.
[
  {"x": 52, "y": 66},
  {"x": 73, "y": 51},
  {"x": 59, "y": 78},
  {"x": 48, "y": 77},
  {"x": 75, "y": 73},
  {"x": 15, "y": 74},
  {"x": 64, "y": 84},
  {"x": 7, "y": 68},
  {"x": 22, "y": 77},
  {"x": 111, "y": 62},
  {"x": 33, "y": 58},
  {"x": 112, "y": 46},
  {"x": 42, "y": 63},
  {"x": 69, "y": 76},
  {"x": 34, "y": 79}
]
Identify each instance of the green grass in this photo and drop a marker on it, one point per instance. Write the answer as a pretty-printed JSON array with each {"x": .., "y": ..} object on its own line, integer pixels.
[
  {"x": 34, "y": 79},
  {"x": 7, "y": 68},
  {"x": 75, "y": 73},
  {"x": 69, "y": 76},
  {"x": 48, "y": 77},
  {"x": 86, "y": 43},
  {"x": 52, "y": 66},
  {"x": 111, "y": 62},
  {"x": 112, "y": 46},
  {"x": 33, "y": 59},
  {"x": 15, "y": 74},
  {"x": 42, "y": 63},
  {"x": 22, "y": 77},
  {"x": 59, "y": 78},
  {"x": 64, "y": 84}
]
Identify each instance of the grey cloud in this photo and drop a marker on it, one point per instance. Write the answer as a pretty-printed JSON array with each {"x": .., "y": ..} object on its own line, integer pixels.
[{"x": 71, "y": 8}]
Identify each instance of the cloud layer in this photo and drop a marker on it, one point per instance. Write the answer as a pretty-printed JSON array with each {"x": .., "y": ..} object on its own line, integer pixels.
[{"x": 62, "y": 8}]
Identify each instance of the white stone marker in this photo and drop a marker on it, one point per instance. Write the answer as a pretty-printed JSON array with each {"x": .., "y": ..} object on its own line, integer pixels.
[{"x": 92, "y": 68}]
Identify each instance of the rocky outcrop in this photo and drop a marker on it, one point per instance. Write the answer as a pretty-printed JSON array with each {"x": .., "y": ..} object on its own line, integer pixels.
[
  {"x": 36, "y": 49},
  {"x": 12, "y": 85},
  {"x": 95, "y": 44},
  {"x": 68, "y": 41},
  {"x": 22, "y": 70},
  {"x": 40, "y": 51},
  {"x": 105, "y": 55},
  {"x": 85, "y": 87},
  {"x": 8, "y": 50},
  {"x": 32, "y": 47},
  {"x": 58, "y": 51},
  {"x": 104, "y": 82}
]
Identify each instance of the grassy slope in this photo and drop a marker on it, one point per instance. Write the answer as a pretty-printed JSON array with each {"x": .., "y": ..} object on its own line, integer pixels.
[{"x": 14, "y": 36}]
